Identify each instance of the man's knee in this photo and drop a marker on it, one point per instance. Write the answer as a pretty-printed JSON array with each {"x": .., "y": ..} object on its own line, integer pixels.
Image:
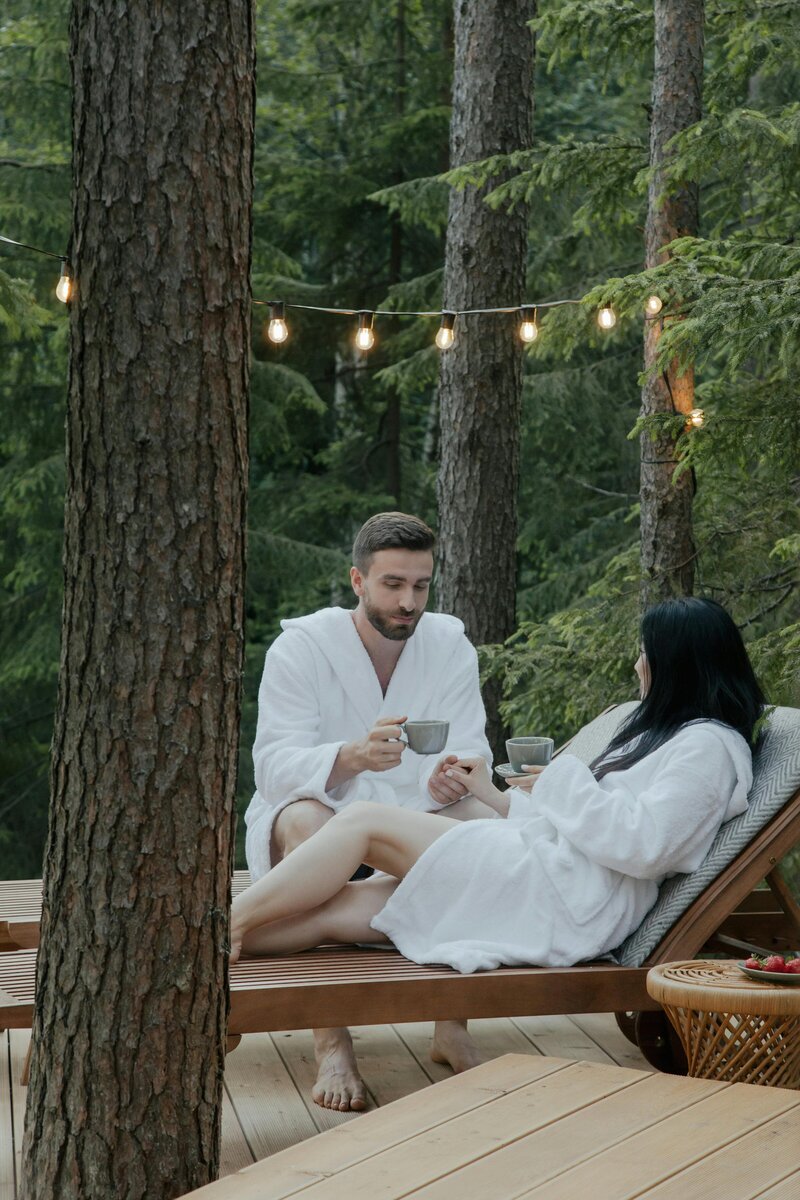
[{"x": 297, "y": 822}]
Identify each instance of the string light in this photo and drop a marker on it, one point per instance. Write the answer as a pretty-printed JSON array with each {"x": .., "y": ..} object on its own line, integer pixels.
[
  {"x": 277, "y": 330},
  {"x": 365, "y": 338},
  {"x": 606, "y": 317},
  {"x": 696, "y": 419},
  {"x": 528, "y": 330},
  {"x": 446, "y": 334},
  {"x": 64, "y": 287}
]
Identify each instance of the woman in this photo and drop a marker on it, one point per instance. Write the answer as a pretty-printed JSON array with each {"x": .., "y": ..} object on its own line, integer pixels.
[{"x": 577, "y": 861}]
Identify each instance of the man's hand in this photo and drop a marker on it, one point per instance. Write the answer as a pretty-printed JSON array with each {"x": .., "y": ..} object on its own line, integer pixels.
[
  {"x": 442, "y": 789},
  {"x": 382, "y": 748}
]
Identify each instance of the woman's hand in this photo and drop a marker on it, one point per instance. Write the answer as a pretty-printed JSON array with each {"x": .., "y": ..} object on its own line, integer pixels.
[
  {"x": 527, "y": 780},
  {"x": 473, "y": 774}
]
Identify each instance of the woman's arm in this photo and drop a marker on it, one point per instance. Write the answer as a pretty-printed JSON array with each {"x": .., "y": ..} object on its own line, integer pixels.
[{"x": 473, "y": 773}]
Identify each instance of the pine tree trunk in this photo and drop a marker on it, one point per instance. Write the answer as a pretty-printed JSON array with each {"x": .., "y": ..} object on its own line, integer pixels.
[
  {"x": 480, "y": 384},
  {"x": 125, "y": 1088},
  {"x": 667, "y": 545},
  {"x": 393, "y": 423}
]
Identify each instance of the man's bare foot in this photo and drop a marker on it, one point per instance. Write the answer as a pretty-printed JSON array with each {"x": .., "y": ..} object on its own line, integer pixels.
[
  {"x": 453, "y": 1046},
  {"x": 339, "y": 1085}
]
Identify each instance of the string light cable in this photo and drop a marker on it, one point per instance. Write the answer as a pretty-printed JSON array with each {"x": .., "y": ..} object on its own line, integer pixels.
[
  {"x": 66, "y": 284},
  {"x": 277, "y": 329}
]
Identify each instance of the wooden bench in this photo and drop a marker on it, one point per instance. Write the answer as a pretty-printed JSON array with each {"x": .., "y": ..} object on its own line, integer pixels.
[{"x": 548, "y": 1129}]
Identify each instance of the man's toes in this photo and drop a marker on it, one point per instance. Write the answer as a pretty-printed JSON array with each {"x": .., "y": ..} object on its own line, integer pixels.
[{"x": 358, "y": 1102}]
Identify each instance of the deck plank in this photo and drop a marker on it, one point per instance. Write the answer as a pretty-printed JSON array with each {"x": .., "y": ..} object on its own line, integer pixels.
[
  {"x": 235, "y": 1153},
  {"x": 541, "y": 1155},
  {"x": 666, "y": 1148},
  {"x": 19, "y": 1039},
  {"x": 269, "y": 1108},
  {"x": 605, "y": 1033},
  {"x": 7, "y": 1173},
  {"x": 295, "y": 1169},
  {"x": 493, "y": 1037},
  {"x": 386, "y": 1066},
  {"x": 393, "y": 1172},
  {"x": 759, "y": 1159},
  {"x": 561, "y": 1037}
]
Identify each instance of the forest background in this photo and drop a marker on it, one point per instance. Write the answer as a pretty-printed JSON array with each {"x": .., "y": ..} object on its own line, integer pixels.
[{"x": 351, "y": 207}]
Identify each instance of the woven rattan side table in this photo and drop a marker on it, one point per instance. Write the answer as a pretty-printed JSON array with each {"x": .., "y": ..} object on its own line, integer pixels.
[{"x": 732, "y": 1028}]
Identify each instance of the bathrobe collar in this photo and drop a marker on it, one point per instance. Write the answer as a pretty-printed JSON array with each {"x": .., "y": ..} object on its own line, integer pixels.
[{"x": 333, "y": 633}]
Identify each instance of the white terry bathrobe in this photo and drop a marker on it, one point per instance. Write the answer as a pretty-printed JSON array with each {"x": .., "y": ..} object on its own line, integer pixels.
[
  {"x": 319, "y": 690},
  {"x": 577, "y": 863}
]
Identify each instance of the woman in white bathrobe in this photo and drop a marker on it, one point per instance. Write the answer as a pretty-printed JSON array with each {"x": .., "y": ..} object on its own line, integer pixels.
[{"x": 575, "y": 864}]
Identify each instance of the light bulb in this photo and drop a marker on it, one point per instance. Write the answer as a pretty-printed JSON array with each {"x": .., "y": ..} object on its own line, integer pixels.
[
  {"x": 445, "y": 335},
  {"x": 528, "y": 330},
  {"x": 365, "y": 338},
  {"x": 277, "y": 330},
  {"x": 653, "y": 306},
  {"x": 606, "y": 318},
  {"x": 696, "y": 418},
  {"x": 64, "y": 285}
]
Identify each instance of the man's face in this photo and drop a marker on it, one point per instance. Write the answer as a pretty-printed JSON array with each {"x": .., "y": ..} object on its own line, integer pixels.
[{"x": 394, "y": 590}]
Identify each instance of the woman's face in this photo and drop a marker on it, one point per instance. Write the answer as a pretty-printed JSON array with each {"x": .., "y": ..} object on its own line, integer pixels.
[{"x": 642, "y": 669}]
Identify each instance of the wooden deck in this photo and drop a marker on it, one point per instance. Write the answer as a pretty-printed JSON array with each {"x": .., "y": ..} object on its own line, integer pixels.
[{"x": 268, "y": 1078}]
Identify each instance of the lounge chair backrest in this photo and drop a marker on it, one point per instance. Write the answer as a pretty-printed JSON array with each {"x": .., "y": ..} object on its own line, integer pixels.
[{"x": 776, "y": 777}]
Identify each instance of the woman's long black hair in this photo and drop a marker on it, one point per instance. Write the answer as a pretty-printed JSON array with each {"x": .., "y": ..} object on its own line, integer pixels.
[{"x": 698, "y": 669}]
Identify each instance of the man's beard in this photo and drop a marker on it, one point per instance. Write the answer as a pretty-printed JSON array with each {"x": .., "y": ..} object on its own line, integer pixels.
[{"x": 384, "y": 626}]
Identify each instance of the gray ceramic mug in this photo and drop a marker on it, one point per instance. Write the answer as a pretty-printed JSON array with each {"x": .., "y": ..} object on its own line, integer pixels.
[
  {"x": 426, "y": 737},
  {"x": 529, "y": 751}
]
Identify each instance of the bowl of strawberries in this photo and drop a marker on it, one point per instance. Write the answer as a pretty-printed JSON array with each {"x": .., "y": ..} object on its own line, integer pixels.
[{"x": 772, "y": 968}]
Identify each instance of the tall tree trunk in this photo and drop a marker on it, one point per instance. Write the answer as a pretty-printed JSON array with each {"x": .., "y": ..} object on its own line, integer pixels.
[
  {"x": 480, "y": 382},
  {"x": 393, "y": 425},
  {"x": 667, "y": 546},
  {"x": 125, "y": 1088}
]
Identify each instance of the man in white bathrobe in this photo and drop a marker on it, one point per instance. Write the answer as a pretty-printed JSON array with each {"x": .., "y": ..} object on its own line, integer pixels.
[{"x": 336, "y": 686}]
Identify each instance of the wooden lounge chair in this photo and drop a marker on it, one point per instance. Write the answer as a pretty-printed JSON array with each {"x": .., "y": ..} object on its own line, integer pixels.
[{"x": 343, "y": 985}]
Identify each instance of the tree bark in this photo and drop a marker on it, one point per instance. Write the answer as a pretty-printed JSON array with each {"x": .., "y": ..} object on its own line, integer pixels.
[
  {"x": 480, "y": 383},
  {"x": 394, "y": 424},
  {"x": 667, "y": 545},
  {"x": 129, "y": 1029}
]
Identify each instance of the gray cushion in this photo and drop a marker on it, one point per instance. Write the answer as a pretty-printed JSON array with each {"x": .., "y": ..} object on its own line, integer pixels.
[
  {"x": 776, "y": 777},
  {"x": 593, "y": 738}
]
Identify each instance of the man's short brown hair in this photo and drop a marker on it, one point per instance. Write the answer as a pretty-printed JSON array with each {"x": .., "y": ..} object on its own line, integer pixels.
[{"x": 390, "y": 531}]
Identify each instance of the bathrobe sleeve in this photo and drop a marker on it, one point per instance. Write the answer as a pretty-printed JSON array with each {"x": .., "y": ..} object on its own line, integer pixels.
[
  {"x": 663, "y": 824},
  {"x": 290, "y": 761},
  {"x": 459, "y": 698}
]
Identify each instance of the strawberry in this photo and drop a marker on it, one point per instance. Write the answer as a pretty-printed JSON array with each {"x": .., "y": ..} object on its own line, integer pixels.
[
  {"x": 793, "y": 967},
  {"x": 753, "y": 964},
  {"x": 775, "y": 962}
]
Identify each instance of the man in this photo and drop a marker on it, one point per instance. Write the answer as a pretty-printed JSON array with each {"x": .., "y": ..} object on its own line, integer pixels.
[{"x": 337, "y": 686}]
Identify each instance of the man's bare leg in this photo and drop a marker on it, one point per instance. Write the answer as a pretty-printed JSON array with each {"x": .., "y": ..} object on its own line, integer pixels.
[{"x": 338, "y": 1085}]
